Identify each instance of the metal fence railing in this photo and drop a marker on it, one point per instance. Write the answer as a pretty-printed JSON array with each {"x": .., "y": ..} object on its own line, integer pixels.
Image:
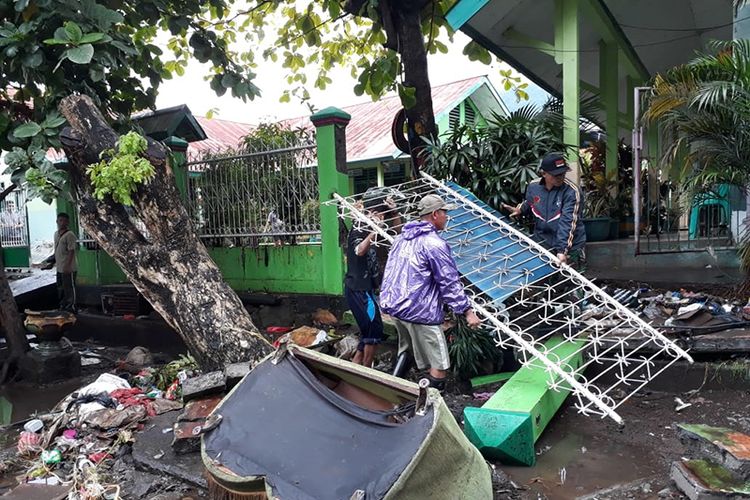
[
  {"x": 669, "y": 218},
  {"x": 250, "y": 199},
  {"x": 13, "y": 222}
]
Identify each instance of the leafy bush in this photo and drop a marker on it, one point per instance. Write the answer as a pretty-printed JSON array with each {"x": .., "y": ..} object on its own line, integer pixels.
[
  {"x": 123, "y": 172},
  {"x": 599, "y": 189},
  {"x": 470, "y": 349},
  {"x": 496, "y": 162}
]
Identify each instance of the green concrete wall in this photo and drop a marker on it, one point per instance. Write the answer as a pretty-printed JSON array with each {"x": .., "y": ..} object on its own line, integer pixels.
[
  {"x": 16, "y": 256},
  {"x": 96, "y": 267},
  {"x": 286, "y": 269}
]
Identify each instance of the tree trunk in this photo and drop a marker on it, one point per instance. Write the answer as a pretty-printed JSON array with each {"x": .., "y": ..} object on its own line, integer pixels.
[
  {"x": 11, "y": 325},
  {"x": 420, "y": 118},
  {"x": 157, "y": 248}
]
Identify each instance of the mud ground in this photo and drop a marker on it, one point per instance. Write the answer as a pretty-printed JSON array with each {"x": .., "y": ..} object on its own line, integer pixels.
[
  {"x": 577, "y": 456},
  {"x": 589, "y": 457}
]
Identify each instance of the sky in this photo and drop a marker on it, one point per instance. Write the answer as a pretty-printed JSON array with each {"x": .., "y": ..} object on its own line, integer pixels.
[{"x": 192, "y": 90}]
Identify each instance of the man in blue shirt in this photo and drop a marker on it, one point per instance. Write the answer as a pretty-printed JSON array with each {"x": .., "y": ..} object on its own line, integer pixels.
[{"x": 557, "y": 207}]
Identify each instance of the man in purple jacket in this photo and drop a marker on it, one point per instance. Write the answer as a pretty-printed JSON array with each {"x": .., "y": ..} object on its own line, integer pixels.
[{"x": 420, "y": 276}]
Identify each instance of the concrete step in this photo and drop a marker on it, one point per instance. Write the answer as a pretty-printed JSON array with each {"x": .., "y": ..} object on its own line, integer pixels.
[{"x": 725, "y": 447}]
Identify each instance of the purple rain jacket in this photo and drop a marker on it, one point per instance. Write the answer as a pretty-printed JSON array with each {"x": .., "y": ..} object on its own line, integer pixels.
[{"x": 420, "y": 276}]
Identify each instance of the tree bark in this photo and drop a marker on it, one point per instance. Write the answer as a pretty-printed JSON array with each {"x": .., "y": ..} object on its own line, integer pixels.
[
  {"x": 420, "y": 118},
  {"x": 157, "y": 248}
]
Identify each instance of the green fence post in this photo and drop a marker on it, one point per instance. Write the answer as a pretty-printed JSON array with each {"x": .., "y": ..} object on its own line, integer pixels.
[
  {"x": 178, "y": 162},
  {"x": 330, "y": 124}
]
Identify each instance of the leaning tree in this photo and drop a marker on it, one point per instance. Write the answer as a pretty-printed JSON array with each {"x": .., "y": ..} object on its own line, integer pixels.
[
  {"x": 106, "y": 52},
  {"x": 55, "y": 52}
]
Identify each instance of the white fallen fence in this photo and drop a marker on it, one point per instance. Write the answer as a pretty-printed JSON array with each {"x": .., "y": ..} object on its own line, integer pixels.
[{"x": 525, "y": 296}]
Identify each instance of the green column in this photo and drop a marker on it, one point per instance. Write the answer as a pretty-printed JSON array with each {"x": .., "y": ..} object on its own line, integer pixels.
[
  {"x": 507, "y": 426},
  {"x": 330, "y": 124},
  {"x": 610, "y": 99},
  {"x": 178, "y": 162},
  {"x": 566, "y": 46}
]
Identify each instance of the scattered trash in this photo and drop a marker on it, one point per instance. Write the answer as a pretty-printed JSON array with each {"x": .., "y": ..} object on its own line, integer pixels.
[
  {"x": 677, "y": 311},
  {"x": 105, "y": 384},
  {"x": 159, "y": 455},
  {"x": 48, "y": 481},
  {"x": 28, "y": 443},
  {"x": 324, "y": 317},
  {"x": 483, "y": 396},
  {"x": 34, "y": 425},
  {"x": 681, "y": 405},
  {"x": 139, "y": 357},
  {"x": 278, "y": 330},
  {"x": 99, "y": 456},
  {"x": 50, "y": 457},
  {"x": 346, "y": 347},
  {"x": 563, "y": 475}
]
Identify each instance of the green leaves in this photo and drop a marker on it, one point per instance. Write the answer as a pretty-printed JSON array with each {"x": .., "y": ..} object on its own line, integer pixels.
[
  {"x": 476, "y": 52},
  {"x": 29, "y": 129},
  {"x": 81, "y": 50},
  {"x": 73, "y": 32},
  {"x": 120, "y": 176},
  {"x": 103, "y": 17},
  {"x": 497, "y": 161},
  {"x": 469, "y": 349},
  {"x": 408, "y": 96},
  {"x": 81, "y": 54}
]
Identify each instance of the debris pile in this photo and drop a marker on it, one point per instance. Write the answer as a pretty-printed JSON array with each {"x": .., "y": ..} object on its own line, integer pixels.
[
  {"x": 680, "y": 311},
  {"x": 95, "y": 425}
]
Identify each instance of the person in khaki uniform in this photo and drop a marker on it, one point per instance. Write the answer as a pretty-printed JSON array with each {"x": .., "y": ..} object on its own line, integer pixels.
[{"x": 65, "y": 260}]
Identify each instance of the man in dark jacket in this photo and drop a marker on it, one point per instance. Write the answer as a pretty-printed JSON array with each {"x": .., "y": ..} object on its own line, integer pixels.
[
  {"x": 363, "y": 278},
  {"x": 420, "y": 277},
  {"x": 557, "y": 207}
]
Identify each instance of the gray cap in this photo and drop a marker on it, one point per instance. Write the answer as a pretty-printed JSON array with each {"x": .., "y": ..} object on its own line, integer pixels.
[{"x": 432, "y": 202}]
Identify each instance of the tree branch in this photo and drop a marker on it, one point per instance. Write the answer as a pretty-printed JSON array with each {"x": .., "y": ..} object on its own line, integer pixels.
[
  {"x": 4, "y": 194},
  {"x": 241, "y": 13}
]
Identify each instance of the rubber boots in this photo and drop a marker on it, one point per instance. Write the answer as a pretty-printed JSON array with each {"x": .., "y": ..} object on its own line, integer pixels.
[{"x": 404, "y": 362}]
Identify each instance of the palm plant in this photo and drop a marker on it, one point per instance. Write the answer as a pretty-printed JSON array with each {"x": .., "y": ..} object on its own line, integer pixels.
[
  {"x": 703, "y": 108},
  {"x": 496, "y": 162}
]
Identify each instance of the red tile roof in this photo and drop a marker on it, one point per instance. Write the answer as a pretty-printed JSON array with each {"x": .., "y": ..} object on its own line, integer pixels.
[
  {"x": 368, "y": 135},
  {"x": 222, "y": 135}
]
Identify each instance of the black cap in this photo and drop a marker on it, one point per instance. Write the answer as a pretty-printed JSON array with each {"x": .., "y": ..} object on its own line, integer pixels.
[
  {"x": 554, "y": 164},
  {"x": 374, "y": 199}
]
